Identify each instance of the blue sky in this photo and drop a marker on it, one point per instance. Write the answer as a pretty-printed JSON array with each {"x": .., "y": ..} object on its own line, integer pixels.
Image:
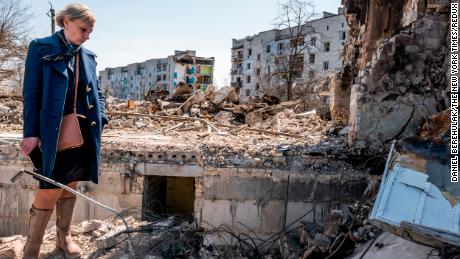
[{"x": 133, "y": 31}]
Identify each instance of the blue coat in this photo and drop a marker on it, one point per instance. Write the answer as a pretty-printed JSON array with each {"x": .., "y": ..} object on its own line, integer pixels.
[{"x": 44, "y": 91}]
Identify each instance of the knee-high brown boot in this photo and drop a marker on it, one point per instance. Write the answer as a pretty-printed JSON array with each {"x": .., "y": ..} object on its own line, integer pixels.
[
  {"x": 37, "y": 225},
  {"x": 64, "y": 214}
]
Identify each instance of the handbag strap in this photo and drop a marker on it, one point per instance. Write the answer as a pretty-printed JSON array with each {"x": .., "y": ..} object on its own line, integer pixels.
[{"x": 77, "y": 72}]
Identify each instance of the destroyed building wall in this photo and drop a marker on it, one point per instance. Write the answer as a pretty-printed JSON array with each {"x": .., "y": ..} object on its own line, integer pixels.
[
  {"x": 135, "y": 80},
  {"x": 263, "y": 196},
  {"x": 394, "y": 69},
  {"x": 253, "y": 57}
]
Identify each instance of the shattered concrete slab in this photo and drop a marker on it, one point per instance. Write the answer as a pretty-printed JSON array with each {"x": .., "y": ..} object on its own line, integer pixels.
[{"x": 391, "y": 246}]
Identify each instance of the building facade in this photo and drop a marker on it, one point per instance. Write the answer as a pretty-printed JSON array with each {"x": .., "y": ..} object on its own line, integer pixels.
[
  {"x": 255, "y": 58},
  {"x": 136, "y": 80}
]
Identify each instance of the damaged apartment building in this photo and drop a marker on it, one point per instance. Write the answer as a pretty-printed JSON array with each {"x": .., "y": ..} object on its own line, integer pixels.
[
  {"x": 371, "y": 182},
  {"x": 254, "y": 58},
  {"x": 136, "y": 80}
]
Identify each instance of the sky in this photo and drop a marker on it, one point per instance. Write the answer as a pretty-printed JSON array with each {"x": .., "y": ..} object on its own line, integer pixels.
[{"x": 134, "y": 31}]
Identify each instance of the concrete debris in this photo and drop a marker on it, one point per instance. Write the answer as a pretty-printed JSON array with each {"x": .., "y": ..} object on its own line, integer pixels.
[
  {"x": 388, "y": 245},
  {"x": 157, "y": 238},
  {"x": 10, "y": 113}
]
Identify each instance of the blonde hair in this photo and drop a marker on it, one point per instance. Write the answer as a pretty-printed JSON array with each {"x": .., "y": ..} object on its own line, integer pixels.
[{"x": 75, "y": 12}]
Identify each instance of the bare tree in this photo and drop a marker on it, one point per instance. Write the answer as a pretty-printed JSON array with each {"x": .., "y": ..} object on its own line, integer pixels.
[
  {"x": 14, "y": 17},
  {"x": 294, "y": 21}
]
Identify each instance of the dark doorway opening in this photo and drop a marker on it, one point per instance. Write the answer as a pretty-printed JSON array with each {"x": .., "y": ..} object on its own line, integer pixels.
[{"x": 168, "y": 194}]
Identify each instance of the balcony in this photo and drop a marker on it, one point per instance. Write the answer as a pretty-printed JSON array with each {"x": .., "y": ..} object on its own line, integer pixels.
[
  {"x": 237, "y": 57},
  {"x": 237, "y": 71}
]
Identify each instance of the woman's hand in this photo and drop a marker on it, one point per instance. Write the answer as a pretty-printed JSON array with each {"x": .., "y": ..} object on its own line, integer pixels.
[{"x": 28, "y": 144}]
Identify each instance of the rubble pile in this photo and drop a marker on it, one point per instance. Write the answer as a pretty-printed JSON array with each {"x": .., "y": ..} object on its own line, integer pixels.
[
  {"x": 253, "y": 128},
  {"x": 10, "y": 113},
  {"x": 158, "y": 238}
]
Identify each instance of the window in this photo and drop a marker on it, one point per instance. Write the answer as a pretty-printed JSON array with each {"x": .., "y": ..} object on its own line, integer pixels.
[
  {"x": 342, "y": 24},
  {"x": 258, "y": 57},
  {"x": 297, "y": 42},
  {"x": 150, "y": 74},
  {"x": 164, "y": 77},
  {"x": 164, "y": 67},
  {"x": 248, "y": 65},
  {"x": 158, "y": 68},
  {"x": 258, "y": 71},
  {"x": 239, "y": 53},
  {"x": 312, "y": 58},
  {"x": 257, "y": 86},
  {"x": 327, "y": 27},
  {"x": 248, "y": 92},
  {"x": 248, "y": 79},
  {"x": 326, "y": 65},
  {"x": 327, "y": 46},
  {"x": 313, "y": 41},
  {"x": 311, "y": 74},
  {"x": 268, "y": 49},
  {"x": 131, "y": 78},
  {"x": 249, "y": 52},
  {"x": 280, "y": 45},
  {"x": 158, "y": 78},
  {"x": 343, "y": 35}
]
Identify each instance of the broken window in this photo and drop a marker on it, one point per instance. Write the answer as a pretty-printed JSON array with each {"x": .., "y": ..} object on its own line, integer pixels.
[
  {"x": 327, "y": 46},
  {"x": 297, "y": 42},
  {"x": 342, "y": 24},
  {"x": 158, "y": 68},
  {"x": 343, "y": 35},
  {"x": 311, "y": 74},
  {"x": 312, "y": 58},
  {"x": 258, "y": 57},
  {"x": 248, "y": 92},
  {"x": 326, "y": 65},
  {"x": 268, "y": 49},
  {"x": 313, "y": 41},
  {"x": 164, "y": 77},
  {"x": 280, "y": 45},
  {"x": 249, "y": 52},
  {"x": 257, "y": 86},
  {"x": 150, "y": 74},
  {"x": 248, "y": 79},
  {"x": 164, "y": 67},
  {"x": 297, "y": 66},
  {"x": 280, "y": 60},
  {"x": 158, "y": 78},
  {"x": 258, "y": 71},
  {"x": 327, "y": 27},
  {"x": 248, "y": 66}
]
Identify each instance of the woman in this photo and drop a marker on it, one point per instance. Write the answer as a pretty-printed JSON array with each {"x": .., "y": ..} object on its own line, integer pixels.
[{"x": 49, "y": 90}]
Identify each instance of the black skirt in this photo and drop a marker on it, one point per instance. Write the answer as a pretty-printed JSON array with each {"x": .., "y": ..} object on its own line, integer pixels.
[{"x": 72, "y": 164}]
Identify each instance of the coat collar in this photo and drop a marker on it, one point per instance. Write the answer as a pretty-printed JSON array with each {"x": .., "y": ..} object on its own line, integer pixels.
[{"x": 51, "y": 45}]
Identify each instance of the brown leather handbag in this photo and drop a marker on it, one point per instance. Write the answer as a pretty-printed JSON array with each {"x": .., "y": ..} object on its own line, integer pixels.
[{"x": 70, "y": 134}]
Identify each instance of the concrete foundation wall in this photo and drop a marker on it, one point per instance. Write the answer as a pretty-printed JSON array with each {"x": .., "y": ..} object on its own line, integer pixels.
[{"x": 263, "y": 200}]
